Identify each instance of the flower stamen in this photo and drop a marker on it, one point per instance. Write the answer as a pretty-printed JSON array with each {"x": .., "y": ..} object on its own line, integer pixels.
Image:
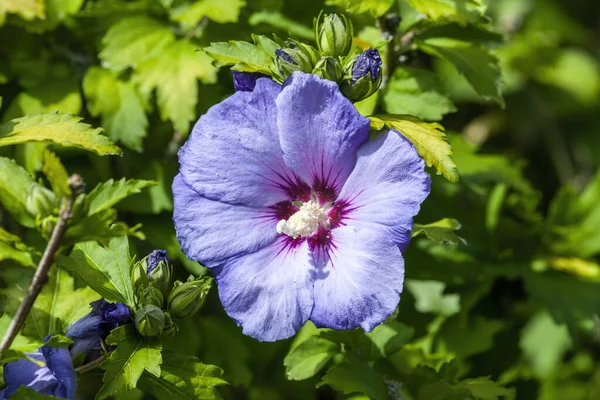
[{"x": 304, "y": 222}]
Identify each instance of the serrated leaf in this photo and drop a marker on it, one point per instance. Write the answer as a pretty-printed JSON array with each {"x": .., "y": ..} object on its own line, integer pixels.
[
  {"x": 484, "y": 389},
  {"x": 102, "y": 227},
  {"x": 62, "y": 129},
  {"x": 428, "y": 138},
  {"x": 58, "y": 305},
  {"x": 26, "y": 9},
  {"x": 119, "y": 104},
  {"x": 157, "y": 198},
  {"x": 62, "y": 95},
  {"x": 354, "y": 375},
  {"x": 15, "y": 184},
  {"x": 475, "y": 62},
  {"x": 134, "y": 355},
  {"x": 174, "y": 75},
  {"x": 106, "y": 270},
  {"x": 56, "y": 174},
  {"x": 388, "y": 338},
  {"x": 183, "y": 377},
  {"x": 220, "y": 11},
  {"x": 441, "y": 232},
  {"x": 417, "y": 92},
  {"x": 375, "y": 7},
  {"x": 243, "y": 56},
  {"x": 430, "y": 298},
  {"x": 109, "y": 193},
  {"x": 462, "y": 11},
  {"x": 309, "y": 357},
  {"x": 12, "y": 248},
  {"x": 133, "y": 40},
  {"x": 21, "y": 344}
]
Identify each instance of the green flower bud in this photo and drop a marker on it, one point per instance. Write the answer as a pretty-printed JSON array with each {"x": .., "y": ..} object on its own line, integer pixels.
[
  {"x": 156, "y": 268},
  {"x": 187, "y": 298},
  {"x": 41, "y": 201},
  {"x": 296, "y": 57},
  {"x": 365, "y": 76},
  {"x": 149, "y": 320},
  {"x": 329, "y": 68},
  {"x": 333, "y": 34},
  {"x": 150, "y": 294}
]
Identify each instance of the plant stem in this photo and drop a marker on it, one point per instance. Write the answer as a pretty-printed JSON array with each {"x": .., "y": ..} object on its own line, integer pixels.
[
  {"x": 41, "y": 274},
  {"x": 90, "y": 366}
]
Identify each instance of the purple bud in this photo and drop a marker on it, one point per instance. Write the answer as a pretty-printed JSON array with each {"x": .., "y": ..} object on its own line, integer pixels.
[
  {"x": 285, "y": 56},
  {"x": 112, "y": 316},
  {"x": 155, "y": 258},
  {"x": 245, "y": 81},
  {"x": 367, "y": 62}
]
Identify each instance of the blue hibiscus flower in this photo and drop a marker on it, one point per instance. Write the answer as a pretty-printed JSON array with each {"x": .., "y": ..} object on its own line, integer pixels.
[
  {"x": 299, "y": 216},
  {"x": 56, "y": 378}
]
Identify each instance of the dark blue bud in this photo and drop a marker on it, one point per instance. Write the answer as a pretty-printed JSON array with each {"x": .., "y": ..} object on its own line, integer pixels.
[
  {"x": 112, "y": 316},
  {"x": 367, "y": 62},
  {"x": 155, "y": 258},
  {"x": 245, "y": 81},
  {"x": 285, "y": 56}
]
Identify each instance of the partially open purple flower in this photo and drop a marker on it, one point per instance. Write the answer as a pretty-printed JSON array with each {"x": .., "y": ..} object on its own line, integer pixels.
[
  {"x": 155, "y": 258},
  {"x": 56, "y": 378},
  {"x": 245, "y": 81},
  {"x": 299, "y": 216},
  {"x": 88, "y": 331},
  {"x": 367, "y": 62}
]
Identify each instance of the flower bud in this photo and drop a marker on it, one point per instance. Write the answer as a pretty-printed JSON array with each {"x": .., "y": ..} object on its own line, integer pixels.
[
  {"x": 149, "y": 320},
  {"x": 329, "y": 68},
  {"x": 245, "y": 81},
  {"x": 333, "y": 34},
  {"x": 150, "y": 294},
  {"x": 41, "y": 201},
  {"x": 296, "y": 57},
  {"x": 187, "y": 298},
  {"x": 156, "y": 268},
  {"x": 366, "y": 76}
]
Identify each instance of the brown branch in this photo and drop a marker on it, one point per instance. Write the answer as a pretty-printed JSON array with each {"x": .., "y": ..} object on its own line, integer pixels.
[
  {"x": 41, "y": 274},
  {"x": 90, "y": 366}
]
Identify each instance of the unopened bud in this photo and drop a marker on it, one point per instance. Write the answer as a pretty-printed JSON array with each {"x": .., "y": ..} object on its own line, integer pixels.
[
  {"x": 187, "y": 298},
  {"x": 150, "y": 294},
  {"x": 329, "y": 68},
  {"x": 160, "y": 270},
  {"x": 149, "y": 320},
  {"x": 296, "y": 57},
  {"x": 333, "y": 34},
  {"x": 366, "y": 74},
  {"x": 41, "y": 201}
]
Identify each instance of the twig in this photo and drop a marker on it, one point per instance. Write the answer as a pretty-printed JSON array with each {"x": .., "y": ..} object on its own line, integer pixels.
[
  {"x": 90, "y": 366},
  {"x": 41, "y": 274}
]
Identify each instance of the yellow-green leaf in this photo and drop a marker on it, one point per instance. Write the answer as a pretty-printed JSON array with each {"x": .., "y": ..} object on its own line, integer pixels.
[{"x": 428, "y": 138}]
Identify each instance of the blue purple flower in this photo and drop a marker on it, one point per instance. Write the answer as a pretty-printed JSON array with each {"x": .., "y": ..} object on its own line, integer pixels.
[
  {"x": 298, "y": 215},
  {"x": 368, "y": 62},
  {"x": 245, "y": 81},
  {"x": 155, "y": 258},
  {"x": 88, "y": 331},
  {"x": 56, "y": 378}
]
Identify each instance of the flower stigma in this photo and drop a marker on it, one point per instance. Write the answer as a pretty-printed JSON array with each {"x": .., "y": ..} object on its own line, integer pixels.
[{"x": 305, "y": 221}]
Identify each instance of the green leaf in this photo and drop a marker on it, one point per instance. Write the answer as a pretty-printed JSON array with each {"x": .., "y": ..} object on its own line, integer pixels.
[
  {"x": 102, "y": 227},
  {"x": 25, "y": 393},
  {"x": 133, "y": 40},
  {"x": 354, "y": 375},
  {"x": 58, "y": 305},
  {"x": 157, "y": 198},
  {"x": 428, "y": 138},
  {"x": 388, "y": 338},
  {"x": 475, "y": 62},
  {"x": 109, "y": 193},
  {"x": 441, "y": 232},
  {"x": 183, "y": 377},
  {"x": 430, "y": 298},
  {"x": 375, "y": 7},
  {"x": 106, "y": 270},
  {"x": 63, "y": 129},
  {"x": 15, "y": 184},
  {"x": 279, "y": 21},
  {"x": 134, "y": 355},
  {"x": 243, "y": 56},
  {"x": 26, "y": 9},
  {"x": 309, "y": 357},
  {"x": 418, "y": 92},
  {"x": 484, "y": 389},
  {"x": 220, "y": 11},
  {"x": 21, "y": 344},
  {"x": 56, "y": 174},
  {"x": 461, "y": 11},
  {"x": 56, "y": 12},
  {"x": 119, "y": 104},
  {"x": 174, "y": 75},
  {"x": 61, "y": 95},
  {"x": 57, "y": 341},
  {"x": 544, "y": 343}
]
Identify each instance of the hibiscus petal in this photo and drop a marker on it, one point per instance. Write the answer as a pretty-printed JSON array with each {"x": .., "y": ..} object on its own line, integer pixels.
[
  {"x": 60, "y": 363},
  {"x": 386, "y": 187},
  {"x": 210, "y": 231},
  {"x": 20, "y": 372},
  {"x": 268, "y": 293},
  {"x": 360, "y": 281},
  {"x": 233, "y": 153},
  {"x": 319, "y": 130}
]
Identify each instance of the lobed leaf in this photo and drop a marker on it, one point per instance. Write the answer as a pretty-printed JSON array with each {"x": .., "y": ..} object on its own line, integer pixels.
[
  {"x": 109, "y": 193},
  {"x": 15, "y": 185},
  {"x": 309, "y": 357}
]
